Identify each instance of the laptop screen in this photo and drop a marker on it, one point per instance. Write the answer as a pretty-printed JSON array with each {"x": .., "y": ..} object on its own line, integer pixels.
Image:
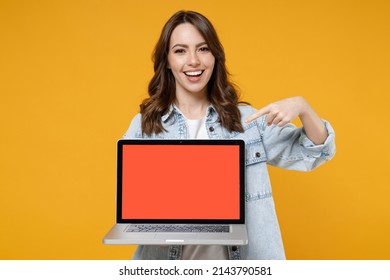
[{"x": 180, "y": 180}]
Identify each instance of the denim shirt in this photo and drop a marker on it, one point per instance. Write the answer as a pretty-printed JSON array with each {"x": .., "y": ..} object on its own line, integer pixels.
[{"x": 286, "y": 147}]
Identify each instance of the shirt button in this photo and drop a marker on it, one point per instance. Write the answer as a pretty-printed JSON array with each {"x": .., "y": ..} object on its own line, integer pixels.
[
  {"x": 258, "y": 154},
  {"x": 211, "y": 128}
]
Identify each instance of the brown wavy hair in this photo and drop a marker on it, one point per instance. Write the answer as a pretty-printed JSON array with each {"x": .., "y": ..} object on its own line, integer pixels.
[{"x": 222, "y": 93}]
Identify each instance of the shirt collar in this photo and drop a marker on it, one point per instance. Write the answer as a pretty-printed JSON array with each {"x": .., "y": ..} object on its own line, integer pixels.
[
  {"x": 210, "y": 115},
  {"x": 170, "y": 112}
]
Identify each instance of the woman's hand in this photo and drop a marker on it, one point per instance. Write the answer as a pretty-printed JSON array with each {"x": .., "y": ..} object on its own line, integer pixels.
[
  {"x": 284, "y": 111},
  {"x": 281, "y": 112}
]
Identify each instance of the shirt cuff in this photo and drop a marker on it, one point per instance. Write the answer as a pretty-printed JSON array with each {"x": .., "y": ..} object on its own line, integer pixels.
[{"x": 327, "y": 149}]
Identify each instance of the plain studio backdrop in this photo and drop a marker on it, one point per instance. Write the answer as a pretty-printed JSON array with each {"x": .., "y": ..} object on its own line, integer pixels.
[{"x": 72, "y": 76}]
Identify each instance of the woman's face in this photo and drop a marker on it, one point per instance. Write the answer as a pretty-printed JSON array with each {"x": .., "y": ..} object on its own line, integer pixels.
[{"x": 190, "y": 60}]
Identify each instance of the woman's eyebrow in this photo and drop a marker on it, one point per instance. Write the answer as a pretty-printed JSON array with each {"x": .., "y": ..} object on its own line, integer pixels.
[{"x": 186, "y": 46}]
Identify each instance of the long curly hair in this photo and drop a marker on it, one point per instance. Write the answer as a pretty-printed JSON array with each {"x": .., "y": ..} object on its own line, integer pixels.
[{"x": 222, "y": 93}]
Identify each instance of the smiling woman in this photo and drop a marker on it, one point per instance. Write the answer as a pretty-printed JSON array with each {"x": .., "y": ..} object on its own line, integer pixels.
[
  {"x": 189, "y": 44},
  {"x": 192, "y": 97}
]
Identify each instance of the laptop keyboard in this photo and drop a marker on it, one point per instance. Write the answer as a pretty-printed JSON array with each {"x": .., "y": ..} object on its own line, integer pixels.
[{"x": 177, "y": 228}]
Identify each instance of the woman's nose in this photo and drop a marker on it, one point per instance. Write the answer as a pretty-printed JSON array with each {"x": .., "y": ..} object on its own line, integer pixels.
[{"x": 193, "y": 59}]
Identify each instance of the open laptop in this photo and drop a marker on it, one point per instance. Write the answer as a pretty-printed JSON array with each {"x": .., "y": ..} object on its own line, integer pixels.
[{"x": 191, "y": 190}]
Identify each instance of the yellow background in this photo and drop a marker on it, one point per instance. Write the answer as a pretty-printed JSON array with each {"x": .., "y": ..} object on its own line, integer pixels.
[{"x": 72, "y": 74}]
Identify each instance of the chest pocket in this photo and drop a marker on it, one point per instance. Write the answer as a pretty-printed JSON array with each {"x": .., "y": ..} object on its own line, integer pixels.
[
  {"x": 257, "y": 180},
  {"x": 254, "y": 148},
  {"x": 255, "y": 152}
]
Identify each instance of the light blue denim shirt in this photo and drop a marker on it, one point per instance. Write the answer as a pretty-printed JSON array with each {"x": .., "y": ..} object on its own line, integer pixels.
[{"x": 287, "y": 147}]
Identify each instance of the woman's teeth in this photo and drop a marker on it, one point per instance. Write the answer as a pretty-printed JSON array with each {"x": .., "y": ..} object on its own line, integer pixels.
[{"x": 194, "y": 73}]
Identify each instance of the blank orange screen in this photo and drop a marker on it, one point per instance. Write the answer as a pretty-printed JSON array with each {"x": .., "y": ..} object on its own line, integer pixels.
[{"x": 180, "y": 182}]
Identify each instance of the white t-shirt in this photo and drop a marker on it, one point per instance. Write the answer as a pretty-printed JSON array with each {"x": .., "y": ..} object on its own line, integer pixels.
[{"x": 197, "y": 128}]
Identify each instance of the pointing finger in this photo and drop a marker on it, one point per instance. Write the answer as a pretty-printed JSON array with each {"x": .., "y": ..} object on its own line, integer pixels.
[{"x": 257, "y": 114}]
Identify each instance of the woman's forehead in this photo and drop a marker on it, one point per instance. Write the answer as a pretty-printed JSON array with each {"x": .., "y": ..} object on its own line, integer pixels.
[{"x": 186, "y": 34}]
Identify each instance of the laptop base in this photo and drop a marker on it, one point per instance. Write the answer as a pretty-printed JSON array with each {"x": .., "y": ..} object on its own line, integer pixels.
[{"x": 118, "y": 236}]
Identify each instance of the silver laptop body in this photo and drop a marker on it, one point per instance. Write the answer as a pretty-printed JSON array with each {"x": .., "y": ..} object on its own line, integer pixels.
[{"x": 180, "y": 192}]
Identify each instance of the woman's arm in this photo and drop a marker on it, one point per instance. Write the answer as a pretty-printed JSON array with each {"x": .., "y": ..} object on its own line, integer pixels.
[{"x": 284, "y": 111}]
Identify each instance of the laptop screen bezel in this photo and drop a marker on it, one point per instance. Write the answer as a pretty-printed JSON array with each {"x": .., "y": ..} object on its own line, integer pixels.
[{"x": 231, "y": 142}]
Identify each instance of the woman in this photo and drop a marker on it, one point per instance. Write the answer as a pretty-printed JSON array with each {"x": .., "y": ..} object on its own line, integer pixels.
[{"x": 191, "y": 97}]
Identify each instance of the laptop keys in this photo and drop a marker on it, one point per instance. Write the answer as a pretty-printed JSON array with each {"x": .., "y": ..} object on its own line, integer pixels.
[{"x": 177, "y": 228}]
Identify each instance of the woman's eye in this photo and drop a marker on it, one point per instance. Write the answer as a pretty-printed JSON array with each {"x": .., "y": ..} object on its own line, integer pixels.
[
  {"x": 204, "y": 49},
  {"x": 179, "y": 51}
]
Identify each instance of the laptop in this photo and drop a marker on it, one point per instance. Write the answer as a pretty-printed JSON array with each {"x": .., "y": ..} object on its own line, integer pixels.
[{"x": 180, "y": 192}]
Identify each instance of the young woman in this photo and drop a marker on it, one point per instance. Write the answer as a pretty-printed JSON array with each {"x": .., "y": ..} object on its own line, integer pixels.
[{"x": 191, "y": 97}]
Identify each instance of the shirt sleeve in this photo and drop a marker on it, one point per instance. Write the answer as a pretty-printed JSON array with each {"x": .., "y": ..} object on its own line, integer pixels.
[
  {"x": 134, "y": 130},
  {"x": 289, "y": 147}
]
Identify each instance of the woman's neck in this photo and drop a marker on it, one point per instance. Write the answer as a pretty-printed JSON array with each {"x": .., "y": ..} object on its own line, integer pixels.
[{"x": 192, "y": 106}]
